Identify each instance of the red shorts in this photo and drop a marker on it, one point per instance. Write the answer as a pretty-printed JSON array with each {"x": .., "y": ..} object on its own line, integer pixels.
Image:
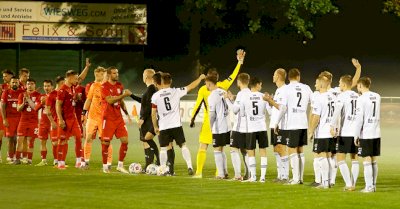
[
  {"x": 44, "y": 131},
  {"x": 113, "y": 127},
  {"x": 71, "y": 129},
  {"x": 27, "y": 129},
  {"x": 11, "y": 130}
]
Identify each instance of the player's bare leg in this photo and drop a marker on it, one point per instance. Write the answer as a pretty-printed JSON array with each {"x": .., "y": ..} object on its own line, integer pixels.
[{"x": 31, "y": 143}]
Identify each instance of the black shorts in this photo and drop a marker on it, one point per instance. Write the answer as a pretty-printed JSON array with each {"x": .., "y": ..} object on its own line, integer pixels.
[
  {"x": 147, "y": 126},
  {"x": 281, "y": 138},
  {"x": 297, "y": 138},
  {"x": 252, "y": 138},
  {"x": 333, "y": 145},
  {"x": 238, "y": 140},
  {"x": 220, "y": 140},
  {"x": 322, "y": 145},
  {"x": 369, "y": 147},
  {"x": 346, "y": 145},
  {"x": 169, "y": 135}
]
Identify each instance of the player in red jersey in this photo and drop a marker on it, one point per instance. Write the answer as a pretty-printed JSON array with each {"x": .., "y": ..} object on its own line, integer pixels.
[
  {"x": 44, "y": 123},
  {"x": 52, "y": 116},
  {"x": 27, "y": 126},
  {"x": 11, "y": 116},
  {"x": 67, "y": 122},
  {"x": 7, "y": 75},
  {"x": 113, "y": 94},
  {"x": 23, "y": 77}
]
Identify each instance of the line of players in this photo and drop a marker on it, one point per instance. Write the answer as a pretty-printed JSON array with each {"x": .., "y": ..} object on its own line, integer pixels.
[
  {"x": 341, "y": 122},
  {"x": 289, "y": 113}
]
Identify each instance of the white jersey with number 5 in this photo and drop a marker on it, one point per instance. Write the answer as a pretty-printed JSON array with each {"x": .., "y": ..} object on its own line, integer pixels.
[
  {"x": 167, "y": 102},
  {"x": 254, "y": 108},
  {"x": 345, "y": 113},
  {"x": 218, "y": 108},
  {"x": 324, "y": 106},
  {"x": 296, "y": 99},
  {"x": 368, "y": 116}
]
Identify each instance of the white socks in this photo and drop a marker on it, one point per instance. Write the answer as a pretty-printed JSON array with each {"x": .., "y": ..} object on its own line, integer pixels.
[
  {"x": 344, "y": 170},
  {"x": 235, "y": 156},
  {"x": 120, "y": 164},
  {"x": 163, "y": 156},
  {"x": 225, "y": 162},
  {"x": 375, "y": 171},
  {"x": 368, "y": 174},
  {"x": 355, "y": 170},
  {"x": 317, "y": 170},
  {"x": 264, "y": 164},
  {"x": 219, "y": 162},
  {"x": 302, "y": 163},
  {"x": 278, "y": 165},
  {"x": 285, "y": 167},
  {"x": 294, "y": 161},
  {"x": 324, "y": 163},
  {"x": 333, "y": 171},
  {"x": 252, "y": 166},
  {"x": 186, "y": 155}
]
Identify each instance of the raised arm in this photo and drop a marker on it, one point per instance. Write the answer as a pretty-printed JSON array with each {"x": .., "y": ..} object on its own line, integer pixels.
[
  {"x": 195, "y": 83},
  {"x": 225, "y": 84},
  {"x": 357, "y": 74},
  {"x": 85, "y": 71}
]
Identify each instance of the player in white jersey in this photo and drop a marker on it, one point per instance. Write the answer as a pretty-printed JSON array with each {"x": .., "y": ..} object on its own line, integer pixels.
[
  {"x": 166, "y": 105},
  {"x": 219, "y": 122},
  {"x": 253, "y": 107},
  {"x": 368, "y": 132},
  {"x": 336, "y": 91},
  {"x": 279, "y": 140},
  {"x": 238, "y": 136},
  {"x": 296, "y": 98},
  {"x": 342, "y": 127},
  {"x": 320, "y": 124}
]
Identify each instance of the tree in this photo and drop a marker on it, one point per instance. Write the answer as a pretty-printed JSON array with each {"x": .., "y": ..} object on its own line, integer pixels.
[
  {"x": 270, "y": 16},
  {"x": 392, "y": 6}
]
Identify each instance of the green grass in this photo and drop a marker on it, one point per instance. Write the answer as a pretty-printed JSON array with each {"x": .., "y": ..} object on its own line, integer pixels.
[{"x": 45, "y": 187}]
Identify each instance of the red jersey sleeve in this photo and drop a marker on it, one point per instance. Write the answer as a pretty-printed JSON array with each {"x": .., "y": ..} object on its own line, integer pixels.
[
  {"x": 20, "y": 98},
  {"x": 61, "y": 94},
  {"x": 105, "y": 91},
  {"x": 4, "y": 96}
]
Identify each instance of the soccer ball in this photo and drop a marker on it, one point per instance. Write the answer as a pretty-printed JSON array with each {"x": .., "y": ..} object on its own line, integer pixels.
[
  {"x": 135, "y": 168},
  {"x": 162, "y": 170},
  {"x": 151, "y": 169}
]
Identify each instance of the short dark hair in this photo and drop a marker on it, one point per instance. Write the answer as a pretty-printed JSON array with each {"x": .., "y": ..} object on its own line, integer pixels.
[
  {"x": 9, "y": 72},
  {"x": 59, "y": 79},
  {"x": 31, "y": 80},
  {"x": 293, "y": 73},
  {"x": 14, "y": 77},
  {"x": 212, "y": 72},
  {"x": 212, "y": 78},
  {"x": 48, "y": 81},
  {"x": 254, "y": 81},
  {"x": 166, "y": 78},
  {"x": 70, "y": 73},
  {"x": 157, "y": 78},
  {"x": 365, "y": 81}
]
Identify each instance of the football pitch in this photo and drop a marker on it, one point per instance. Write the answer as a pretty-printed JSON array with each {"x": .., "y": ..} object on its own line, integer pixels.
[{"x": 23, "y": 186}]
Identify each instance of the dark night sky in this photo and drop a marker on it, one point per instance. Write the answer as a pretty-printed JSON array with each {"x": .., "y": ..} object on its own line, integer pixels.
[{"x": 360, "y": 30}]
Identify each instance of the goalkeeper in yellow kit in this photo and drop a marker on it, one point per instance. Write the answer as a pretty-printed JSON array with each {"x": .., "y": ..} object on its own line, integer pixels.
[{"x": 202, "y": 98}]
